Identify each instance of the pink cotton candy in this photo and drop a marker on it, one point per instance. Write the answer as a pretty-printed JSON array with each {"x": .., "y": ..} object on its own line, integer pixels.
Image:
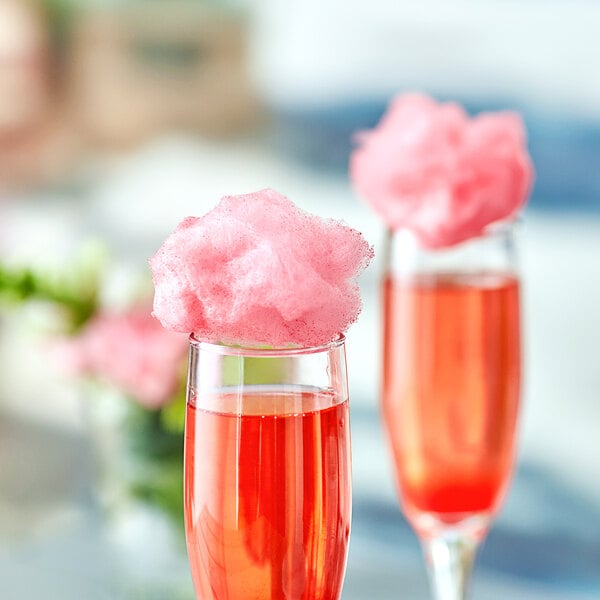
[
  {"x": 430, "y": 168},
  {"x": 258, "y": 270},
  {"x": 130, "y": 351}
]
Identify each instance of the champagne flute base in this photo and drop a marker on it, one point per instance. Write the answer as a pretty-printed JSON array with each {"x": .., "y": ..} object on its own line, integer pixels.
[{"x": 450, "y": 549}]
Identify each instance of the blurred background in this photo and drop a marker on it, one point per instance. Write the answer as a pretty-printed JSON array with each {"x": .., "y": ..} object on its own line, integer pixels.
[{"x": 119, "y": 118}]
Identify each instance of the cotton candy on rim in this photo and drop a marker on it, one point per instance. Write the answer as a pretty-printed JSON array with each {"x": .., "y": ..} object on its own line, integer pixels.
[
  {"x": 258, "y": 270},
  {"x": 430, "y": 168}
]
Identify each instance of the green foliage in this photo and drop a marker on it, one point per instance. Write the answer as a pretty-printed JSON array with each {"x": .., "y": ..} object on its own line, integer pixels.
[
  {"x": 149, "y": 437},
  {"x": 156, "y": 451},
  {"x": 22, "y": 285},
  {"x": 75, "y": 290},
  {"x": 160, "y": 483},
  {"x": 172, "y": 416}
]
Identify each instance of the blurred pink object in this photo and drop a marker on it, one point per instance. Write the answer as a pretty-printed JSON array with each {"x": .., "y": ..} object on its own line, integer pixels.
[
  {"x": 38, "y": 143},
  {"x": 130, "y": 351},
  {"x": 258, "y": 270},
  {"x": 430, "y": 168},
  {"x": 24, "y": 66}
]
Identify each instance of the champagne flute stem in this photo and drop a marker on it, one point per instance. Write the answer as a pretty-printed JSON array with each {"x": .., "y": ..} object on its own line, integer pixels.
[{"x": 450, "y": 561}]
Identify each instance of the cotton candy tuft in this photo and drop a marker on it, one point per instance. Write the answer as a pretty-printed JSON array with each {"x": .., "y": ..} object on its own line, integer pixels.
[
  {"x": 257, "y": 270},
  {"x": 430, "y": 168}
]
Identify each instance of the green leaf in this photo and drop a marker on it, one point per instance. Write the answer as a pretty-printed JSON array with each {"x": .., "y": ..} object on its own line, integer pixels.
[
  {"x": 173, "y": 415},
  {"x": 76, "y": 291}
]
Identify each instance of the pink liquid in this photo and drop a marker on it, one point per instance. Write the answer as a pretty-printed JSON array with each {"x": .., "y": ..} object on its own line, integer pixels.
[
  {"x": 267, "y": 497},
  {"x": 451, "y": 390}
]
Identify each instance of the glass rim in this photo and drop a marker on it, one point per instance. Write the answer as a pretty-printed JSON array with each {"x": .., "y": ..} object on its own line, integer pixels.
[
  {"x": 266, "y": 352},
  {"x": 502, "y": 227}
]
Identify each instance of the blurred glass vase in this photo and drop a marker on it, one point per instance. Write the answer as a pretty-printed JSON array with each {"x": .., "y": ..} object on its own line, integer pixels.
[
  {"x": 139, "y": 491},
  {"x": 135, "y": 399}
]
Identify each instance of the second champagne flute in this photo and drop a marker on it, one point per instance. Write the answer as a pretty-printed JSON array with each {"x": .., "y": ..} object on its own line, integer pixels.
[
  {"x": 451, "y": 390},
  {"x": 449, "y": 187}
]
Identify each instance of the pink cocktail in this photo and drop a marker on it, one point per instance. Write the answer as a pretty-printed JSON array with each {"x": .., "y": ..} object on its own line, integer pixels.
[
  {"x": 451, "y": 390},
  {"x": 267, "y": 443},
  {"x": 449, "y": 187},
  {"x": 268, "y": 482}
]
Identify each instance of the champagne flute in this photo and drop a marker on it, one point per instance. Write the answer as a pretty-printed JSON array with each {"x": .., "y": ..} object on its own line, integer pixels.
[
  {"x": 451, "y": 387},
  {"x": 267, "y": 471}
]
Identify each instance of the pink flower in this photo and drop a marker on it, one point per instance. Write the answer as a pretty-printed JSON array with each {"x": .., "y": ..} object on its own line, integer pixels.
[
  {"x": 430, "y": 168},
  {"x": 131, "y": 351}
]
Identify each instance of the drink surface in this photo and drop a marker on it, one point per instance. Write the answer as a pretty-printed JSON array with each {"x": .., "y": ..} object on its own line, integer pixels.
[
  {"x": 451, "y": 389},
  {"x": 267, "y": 496}
]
